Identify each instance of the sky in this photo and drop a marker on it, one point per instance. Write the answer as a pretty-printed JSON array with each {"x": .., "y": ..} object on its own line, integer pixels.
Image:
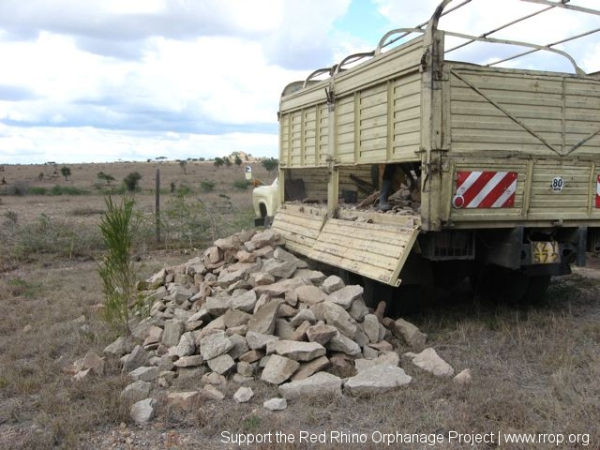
[{"x": 101, "y": 81}]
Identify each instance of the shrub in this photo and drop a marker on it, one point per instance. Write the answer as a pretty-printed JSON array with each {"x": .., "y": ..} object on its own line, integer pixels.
[
  {"x": 207, "y": 185},
  {"x": 218, "y": 162},
  {"x": 241, "y": 185},
  {"x": 131, "y": 181},
  {"x": 270, "y": 164},
  {"x": 67, "y": 190},
  {"x": 37, "y": 190},
  {"x": 183, "y": 190},
  {"x": 65, "y": 172},
  {"x": 106, "y": 177},
  {"x": 118, "y": 228}
]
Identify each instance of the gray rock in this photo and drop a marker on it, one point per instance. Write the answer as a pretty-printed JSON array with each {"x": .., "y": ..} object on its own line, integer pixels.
[
  {"x": 240, "y": 346},
  {"x": 311, "y": 295},
  {"x": 136, "y": 391},
  {"x": 299, "y": 333},
  {"x": 245, "y": 369},
  {"x": 283, "y": 329},
  {"x": 358, "y": 310},
  {"x": 385, "y": 359},
  {"x": 243, "y": 395},
  {"x": 120, "y": 347},
  {"x": 216, "y": 306},
  {"x": 313, "y": 277},
  {"x": 321, "y": 333},
  {"x": 463, "y": 377},
  {"x": 430, "y": 361},
  {"x": 235, "y": 318},
  {"x": 279, "y": 288},
  {"x": 172, "y": 332},
  {"x": 341, "y": 343},
  {"x": 370, "y": 326},
  {"x": 258, "y": 341},
  {"x": 337, "y": 316},
  {"x": 279, "y": 369},
  {"x": 261, "y": 279},
  {"x": 142, "y": 411},
  {"x": 144, "y": 373},
  {"x": 212, "y": 393},
  {"x": 244, "y": 302},
  {"x": 410, "y": 333},
  {"x": 186, "y": 401},
  {"x": 227, "y": 278},
  {"x": 263, "y": 320},
  {"x": 279, "y": 269},
  {"x": 215, "y": 345},
  {"x": 221, "y": 364},
  {"x": 298, "y": 351},
  {"x": 332, "y": 283},
  {"x": 189, "y": 361},
  {"x": 275, "y": 404},
  {"x": 321, "y": 383},
  {"x": 303, "y": 316},
  {"x": 138, "y": 357},
  {"x": 153, "y": 336},
  {"x": 346, "y": 295},
  {"x": 186, "y": 346},
  {"x": 310, "y": 368},
  {"x": 231, "y": 243},
  {"x": 377, "y": 380},
  {"x": 251, "y": 356}
]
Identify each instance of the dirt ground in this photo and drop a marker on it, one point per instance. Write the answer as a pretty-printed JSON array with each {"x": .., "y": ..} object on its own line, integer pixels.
[{"x": 535, "y": 368}]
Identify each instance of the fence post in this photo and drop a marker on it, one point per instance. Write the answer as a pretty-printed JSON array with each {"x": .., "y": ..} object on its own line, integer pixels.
[{"x": 157, "y": 204}]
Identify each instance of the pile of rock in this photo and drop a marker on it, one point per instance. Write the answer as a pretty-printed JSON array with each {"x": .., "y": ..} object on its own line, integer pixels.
[{"x": 247, "y": 309}]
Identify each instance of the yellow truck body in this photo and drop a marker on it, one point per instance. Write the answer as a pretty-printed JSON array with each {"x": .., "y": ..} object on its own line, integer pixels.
[{"x": 508, "y": 159}]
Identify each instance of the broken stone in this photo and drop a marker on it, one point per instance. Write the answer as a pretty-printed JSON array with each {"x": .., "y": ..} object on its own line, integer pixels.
[
  {"x": 430, "y": 361},
  {"x": 144, "y": 373},
  {"x": 302, "y": 316},
  {"x": 321, "y": 333},
  {"x": 382, "y": 346},
  {"x": 142, "y": 411},
  {"x": 377, "y": 380},
  {"x": 240, "y": 346},
  {"x": 215, "y": 379},
  {"x": 346, "y": 295},
  {"x": 245, "y": 369},
  {"x": 386, "y": 359},
  {"x": 153, "y": 336},
  {"x": 243, "y": 395},
  {"x": 189, "y": 361},
  {"x": 186, "y": 401},
  {"x": 332, "y": 283},
  {"x": 216, "y": 306},
  {"x": 172, "y": 332},
  {"x": 279, "y": 269},
  {"x": 231, "y": 243},
  {"x": 279, "y": 369},
  {"x": 310, "y": 368},
  {"x": 319, "y": 384},
  {"x": 286, "y": 310},
  {"x": 186, "y": 346},
  {"x": 221, "y": 364},
  {"x": 136, "y": 391},
  {"x": 244, "y": 302},
  {"x": 341, "y": 343},
  {"x": 410, "y": 333},
  {"x": 310, "y": 295},
  {"x": 235, "y": 318},
  {"x": 258, "y": 341},
  {"x": 120, "y": 347},
  {"x": 251, "y": 356},
  {"x": 275, "y": 404},
  {"x": 263, "y": 320},
  {"x": 283, "y": 330},
  {"x": 212, "y": 393},
  {"x": 370, "y": 326},
  {"x": 298, "y": 351},
  {"x": 261, "y": 279},
  {"x": 299, "y": 333},
  {"x": 313, "y": 277},
  {"x": 138, "y": 357},
  {"x": 463, "y": 377},
  {"x": 215, "y": 345},
  {"x": 337, "y": 316},
  {"x": 279, "y": 288},
  {"x": 358, "y": 311}
]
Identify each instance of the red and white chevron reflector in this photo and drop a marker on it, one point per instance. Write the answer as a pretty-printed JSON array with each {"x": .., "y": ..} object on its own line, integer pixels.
[
  {"x": 598, "y": 192},
  {"x": 485, "y": 189}
]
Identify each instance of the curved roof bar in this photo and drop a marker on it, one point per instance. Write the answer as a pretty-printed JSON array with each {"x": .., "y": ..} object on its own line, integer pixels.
[{"x": 318, "y": 72}]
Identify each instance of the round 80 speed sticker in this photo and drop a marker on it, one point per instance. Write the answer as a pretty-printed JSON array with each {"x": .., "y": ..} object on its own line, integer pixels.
[{"x": 557, "y": 184}]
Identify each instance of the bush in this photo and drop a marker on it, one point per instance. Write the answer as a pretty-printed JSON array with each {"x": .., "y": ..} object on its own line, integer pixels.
[
  {"x": 270, "y": 164},
  {"x": 241, "y": 185},
  {"x": 131, "y": 181},
  {"x": 67, "y": 190},
  {"x": 183, "y": 190},
  {"x": 19, "y": 188},
  {"x": 118, "y": 227},
  {"x": 207, "y": 185},
  {"x": 37, "y": 190}
]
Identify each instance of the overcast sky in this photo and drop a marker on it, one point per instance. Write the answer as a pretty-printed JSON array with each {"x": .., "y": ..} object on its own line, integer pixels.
[{"x": 95, "y": 81}]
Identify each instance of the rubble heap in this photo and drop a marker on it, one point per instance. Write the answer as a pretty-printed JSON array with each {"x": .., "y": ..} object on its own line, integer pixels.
[{"x": 247, "y": 309}]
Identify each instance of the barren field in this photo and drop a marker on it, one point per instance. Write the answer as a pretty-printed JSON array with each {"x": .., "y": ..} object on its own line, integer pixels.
[{"x": 535, "y": 369}]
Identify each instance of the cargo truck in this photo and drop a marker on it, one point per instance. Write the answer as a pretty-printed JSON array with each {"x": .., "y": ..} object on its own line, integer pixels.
[{"x": 502, "y": 165}]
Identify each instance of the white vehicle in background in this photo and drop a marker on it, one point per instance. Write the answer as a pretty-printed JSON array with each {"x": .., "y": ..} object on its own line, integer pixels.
[{"x": 265, "y": 200}]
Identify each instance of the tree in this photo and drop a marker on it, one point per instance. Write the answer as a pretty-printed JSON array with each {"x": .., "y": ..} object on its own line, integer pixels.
[
  {"x": 65, "y": 172},
  {"x": 238, "y": 160},
  {"x": 227, "y": 161},
  {"x": 183, "y": 165},
  {"x": 219, "y": 162},
  {"x": 106, "y": 177},
  {"x": 131, "y": 181},
  {"x": 270, "y": 164}
]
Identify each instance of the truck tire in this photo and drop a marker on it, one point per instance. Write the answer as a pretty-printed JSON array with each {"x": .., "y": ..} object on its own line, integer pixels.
[{"x": 499, "y": 285}]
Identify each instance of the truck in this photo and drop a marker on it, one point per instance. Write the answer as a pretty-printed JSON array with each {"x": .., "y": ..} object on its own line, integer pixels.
[{"x": 499, "y": 166}]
